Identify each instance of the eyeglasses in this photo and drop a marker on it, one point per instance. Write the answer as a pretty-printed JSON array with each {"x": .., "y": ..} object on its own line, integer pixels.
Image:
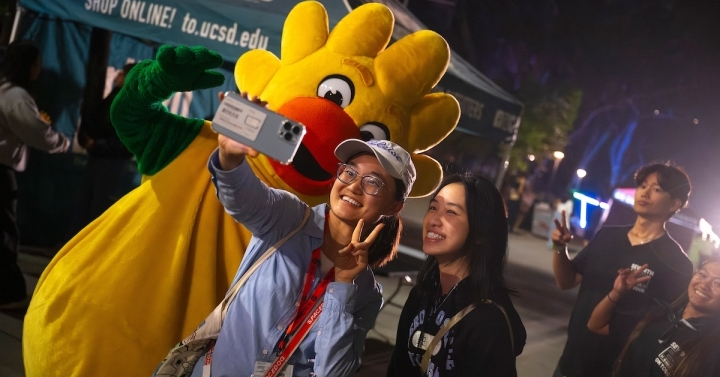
[{"x": 370, "y": 185}]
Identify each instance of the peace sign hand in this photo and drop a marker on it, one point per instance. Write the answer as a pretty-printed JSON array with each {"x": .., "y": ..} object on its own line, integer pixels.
[
  {"x": 353, "y": 259},
  {"x": 561, "y": 234},
  {"x": 627, "y": 279}
]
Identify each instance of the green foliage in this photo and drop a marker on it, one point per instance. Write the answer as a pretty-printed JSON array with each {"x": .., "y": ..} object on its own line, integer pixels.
[{"x": 545, "y": 124}]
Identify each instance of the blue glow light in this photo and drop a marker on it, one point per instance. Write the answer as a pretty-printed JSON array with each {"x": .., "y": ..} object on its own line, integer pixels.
[{"x": 584, "y": 201}]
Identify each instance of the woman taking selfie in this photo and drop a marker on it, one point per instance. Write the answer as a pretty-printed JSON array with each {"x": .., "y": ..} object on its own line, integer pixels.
[
  {"x": 308, "y": 305},
  {"x": 677, "y": 340},
  {"x": 458, "y": 320}
]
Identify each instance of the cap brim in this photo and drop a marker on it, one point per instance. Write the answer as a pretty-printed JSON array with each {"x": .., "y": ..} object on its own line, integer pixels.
[{"x": 352, "y": 147}]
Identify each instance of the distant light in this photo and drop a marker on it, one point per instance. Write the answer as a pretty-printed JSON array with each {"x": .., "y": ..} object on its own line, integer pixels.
[
  {"x": 708, "y": 234},
  {"x": 584, "y": 201},
  {"x": 531, "y": 157},
  {"x": 589, "y": 200},
  {"x": 657, "y": 112},
  {"x": 581, "y": 173},
  {"x": 506, "y": 164},
  {"x": 559, "y": 155},
  {"x": 696, "y": 121},
  {"x": 625, "y": 198},
  {"x": 705, "y": 226}
]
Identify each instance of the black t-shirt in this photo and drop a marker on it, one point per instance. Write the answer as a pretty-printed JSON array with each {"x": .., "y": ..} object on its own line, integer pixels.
[
  {"x": 478, "y": 345},
  {"x": 588, "y": 354},
  {"x": 660, "y": 346}
]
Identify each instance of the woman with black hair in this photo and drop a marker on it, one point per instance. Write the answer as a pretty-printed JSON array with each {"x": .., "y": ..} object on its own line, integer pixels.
[
  {"x": 21, "y": 126},
  {"x": 677, "y": 340},
  {"x": 459, "y": 320}
]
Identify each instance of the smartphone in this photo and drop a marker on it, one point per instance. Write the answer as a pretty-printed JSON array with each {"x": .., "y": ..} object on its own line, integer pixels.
[{"x": 257, "y": 127}]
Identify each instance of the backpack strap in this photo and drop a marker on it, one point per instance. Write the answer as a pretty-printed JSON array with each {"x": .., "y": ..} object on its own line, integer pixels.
[
  {"x": 452, "y": 322},
  {"x": 443, "y": 330}
]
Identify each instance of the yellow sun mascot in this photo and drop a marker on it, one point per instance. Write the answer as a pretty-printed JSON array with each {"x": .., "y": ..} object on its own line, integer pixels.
[{"x": 144, "y": 274}]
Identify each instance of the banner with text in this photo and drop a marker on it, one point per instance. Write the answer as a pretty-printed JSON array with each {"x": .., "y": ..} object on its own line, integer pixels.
[{"x": 228, "y": 27}]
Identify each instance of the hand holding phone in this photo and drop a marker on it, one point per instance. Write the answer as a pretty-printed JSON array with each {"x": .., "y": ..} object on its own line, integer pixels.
[
  {"x": 232, "y": 153},
  {"x": 258, "y": 128}
]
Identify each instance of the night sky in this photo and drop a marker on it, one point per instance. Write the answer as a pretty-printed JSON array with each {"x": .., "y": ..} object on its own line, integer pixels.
[{"x": 648, "y": 66}]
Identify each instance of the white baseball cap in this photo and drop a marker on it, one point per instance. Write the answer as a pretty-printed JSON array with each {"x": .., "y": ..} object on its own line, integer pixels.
[{"x": 393, "y": 158}]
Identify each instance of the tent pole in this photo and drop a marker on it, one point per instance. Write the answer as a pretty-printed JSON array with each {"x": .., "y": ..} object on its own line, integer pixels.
[
  {"x": 16, "y": 22},
  {"x": 504, "y": 165}
]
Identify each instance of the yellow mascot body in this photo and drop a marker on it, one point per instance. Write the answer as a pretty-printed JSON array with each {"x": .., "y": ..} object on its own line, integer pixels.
[{"x": 143, "y": 275}]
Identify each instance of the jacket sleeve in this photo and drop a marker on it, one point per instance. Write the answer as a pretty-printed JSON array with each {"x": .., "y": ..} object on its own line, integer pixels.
[
  {"x": 250, "y": 202},
  {"x": 349, "y": 312},
  {"x": 25, "y": 122}
]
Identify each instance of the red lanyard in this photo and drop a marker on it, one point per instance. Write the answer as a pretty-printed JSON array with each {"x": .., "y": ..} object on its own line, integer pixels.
[
  {"x": 288, "y": 344},
  {"x": 307, "y": 303}
]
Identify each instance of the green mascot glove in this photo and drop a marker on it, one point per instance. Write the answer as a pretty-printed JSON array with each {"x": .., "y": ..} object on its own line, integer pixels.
[{"x": 153, "y": 134}]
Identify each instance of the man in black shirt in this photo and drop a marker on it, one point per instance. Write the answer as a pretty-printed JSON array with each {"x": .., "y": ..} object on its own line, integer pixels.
[{"x": 662, "y": 191}]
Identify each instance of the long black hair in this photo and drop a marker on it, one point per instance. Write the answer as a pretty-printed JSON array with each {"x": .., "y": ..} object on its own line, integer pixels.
[
  {"x": 699, "y": 353},
  {"x": 384, "y": 249},
  {"x": 485, "y": 248},
  {"x": 20, "y": 57}
]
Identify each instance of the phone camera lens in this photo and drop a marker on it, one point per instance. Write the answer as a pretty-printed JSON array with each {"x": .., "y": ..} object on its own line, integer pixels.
[
  {"x": 296, "y": 130},
  {"x": 287, "y": 126},
  {"x": 288, "y": 136}
]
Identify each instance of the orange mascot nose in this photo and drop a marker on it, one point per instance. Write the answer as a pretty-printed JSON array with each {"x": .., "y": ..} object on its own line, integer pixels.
[{"x": 313, "y": 169}]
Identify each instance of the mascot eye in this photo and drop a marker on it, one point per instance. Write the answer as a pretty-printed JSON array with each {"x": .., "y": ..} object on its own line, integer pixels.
[
  {"x": 337, "y": 88},
  {"x": 374, "y": 130}
]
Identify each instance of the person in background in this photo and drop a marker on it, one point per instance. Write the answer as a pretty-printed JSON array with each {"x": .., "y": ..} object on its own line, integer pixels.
[
  {"x": 512, "y": 199},
  {"x": 677, "y": 340},
  {"x": 325, "y": 264},
  {"x": 22, "y": 126},
  {"x": 662, "y": 190},
  {"x": 110, "y": 172},
  {"x": 458, "y": 320}
]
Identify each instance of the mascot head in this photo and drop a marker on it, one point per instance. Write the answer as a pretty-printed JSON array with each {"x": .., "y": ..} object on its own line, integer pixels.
[{"x": 347, "y": 84}]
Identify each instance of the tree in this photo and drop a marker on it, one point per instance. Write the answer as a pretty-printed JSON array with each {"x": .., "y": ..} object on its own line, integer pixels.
[
  {"x": 508, "y": 41},
  {"x": 544, "y": 126}
]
